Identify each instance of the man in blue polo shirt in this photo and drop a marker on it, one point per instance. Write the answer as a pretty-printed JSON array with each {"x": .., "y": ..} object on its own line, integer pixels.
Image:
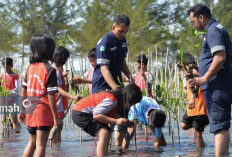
[
  {"x": 215, "y": 69},
  {"x": 111, "y": 51}
]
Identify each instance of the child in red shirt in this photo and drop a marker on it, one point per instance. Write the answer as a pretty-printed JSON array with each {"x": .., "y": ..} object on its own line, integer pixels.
[
  {"x": 94, "y": 113},
  {"x": 60, "y": 57},
  {"x": 39, "y": 88},
  {"x": 12, "y": 85}
]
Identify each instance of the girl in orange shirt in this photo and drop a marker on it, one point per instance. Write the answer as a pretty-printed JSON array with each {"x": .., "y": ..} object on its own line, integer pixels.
[{"x": 39, "y": 88}]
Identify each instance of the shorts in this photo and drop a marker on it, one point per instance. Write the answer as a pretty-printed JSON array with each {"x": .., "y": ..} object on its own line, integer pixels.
[
  {"x": 119, "y": 127},
  {"x": 87, "y": 123},
  {"x": 197, "y": 122},
  {"x": 32, "y": 130},
  {"x": 218, "y": 103}
]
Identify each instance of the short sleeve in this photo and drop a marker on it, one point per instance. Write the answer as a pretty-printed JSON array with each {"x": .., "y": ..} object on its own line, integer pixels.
[
  {"x": 105, "y": 106},
  {"x": 102, "y": 53},
  {"x": 24, "y": 83},
  {"x": 215, "y": 39},
  {"x": 125, "y": 49},
  {"x": 131, "y": 115},
  {"x": 158, "y": 132},
  {"x": 125, "y": 53},
  {"x": 52, "y": 81}
]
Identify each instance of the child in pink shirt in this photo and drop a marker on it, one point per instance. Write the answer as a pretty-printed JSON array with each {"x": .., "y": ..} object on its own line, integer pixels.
[
  {"x": 143, "y": 78},
  {"x": 87, "y": 78}
]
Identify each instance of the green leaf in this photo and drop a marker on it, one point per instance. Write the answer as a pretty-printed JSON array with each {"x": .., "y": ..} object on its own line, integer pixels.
[
  {"x": 119, "y": 81},
  {"x": 156, "y": 23},
  {"x": 202, "y": 32},
  {"x": 3, "y": 122},
  {"x": 158, "y": 87},
  {"x": 197, "y": 45},
  {"x": 70, "y": 38},
  {"x": 143, "y": 92},
  {"x": 117, "y": 85},
  {"x": 194, "y": 32}
]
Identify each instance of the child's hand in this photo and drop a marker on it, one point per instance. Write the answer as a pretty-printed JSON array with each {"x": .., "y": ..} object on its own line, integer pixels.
[
  {"x": 76, "y": 80},
  {"x": 58, "y": 122},
  {"x": 77, "y": 97},
  {"x": 130, "y": 124},
  {"x": 121, "y": 121},
  {"x": 191, "y": 103},
  {"x": 65, "y": 74}
]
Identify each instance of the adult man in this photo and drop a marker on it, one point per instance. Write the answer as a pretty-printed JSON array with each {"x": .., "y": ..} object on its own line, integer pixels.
[
  {"x": 111, "y": 51},
  {"x": 215, "y": 74}
]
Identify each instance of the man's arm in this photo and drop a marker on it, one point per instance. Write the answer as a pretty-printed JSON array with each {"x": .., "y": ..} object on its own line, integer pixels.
[
  {"x": 107, "y": 76},
  {"x": 126, "y": 71},
  {"x": 218, "y": 61}
]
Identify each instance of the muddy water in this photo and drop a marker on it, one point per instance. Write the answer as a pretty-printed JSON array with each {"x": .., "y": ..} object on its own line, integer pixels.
[{"x": 71, "y": 146}]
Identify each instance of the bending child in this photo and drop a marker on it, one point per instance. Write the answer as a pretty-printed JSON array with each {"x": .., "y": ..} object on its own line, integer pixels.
[
  {"x": 94, "y": 113},
  {"x": 39, "y": 88},
  {"x": 60, "y": 57},
  {"x": 147, "y": 112},
  {"x": 196, "y": 114}
]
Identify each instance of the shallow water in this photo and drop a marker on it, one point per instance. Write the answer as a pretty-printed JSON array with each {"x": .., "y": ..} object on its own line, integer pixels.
[{"x": 71, "y": 146}]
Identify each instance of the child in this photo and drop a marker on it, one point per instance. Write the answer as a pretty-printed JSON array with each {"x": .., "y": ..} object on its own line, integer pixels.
[
  {"x": 60, "y": 57},
  {"x": 12, "y": 85},
  {"x": 147, "y": 112},
  {"x": 143, "y": 78},
  {"x": 196, "y": 114},
  {"x": 87, "y": 78},
  {"x": 39, "y": 87},
  {"x": 94, "y": 113}
]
